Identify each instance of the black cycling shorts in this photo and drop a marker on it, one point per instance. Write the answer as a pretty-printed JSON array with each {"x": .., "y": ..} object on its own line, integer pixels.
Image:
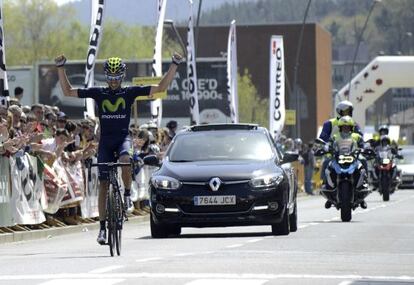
[{"x": 108, "y": 147}]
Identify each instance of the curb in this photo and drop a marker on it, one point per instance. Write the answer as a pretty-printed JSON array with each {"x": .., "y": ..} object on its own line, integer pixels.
[{"x": 53, "y": 232}]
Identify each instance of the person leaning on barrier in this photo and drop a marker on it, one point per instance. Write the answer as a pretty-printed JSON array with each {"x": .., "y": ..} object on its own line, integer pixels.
[{"x": 114, "y": 104}]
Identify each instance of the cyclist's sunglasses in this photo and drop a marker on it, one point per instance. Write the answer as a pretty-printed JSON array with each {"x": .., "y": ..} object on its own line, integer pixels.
[{"x": 117, "y": 77}]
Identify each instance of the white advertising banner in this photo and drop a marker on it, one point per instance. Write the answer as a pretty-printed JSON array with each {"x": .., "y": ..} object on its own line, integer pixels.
[
  {"x": 191, "y": 71},
  {"x": 156, "y": 105},
  {"x": 89, "y": 205},
  {"x": 55, "y": 188},
  {"x": 27, "y": 190},
  {"x": 6, "y": 213},
  {"x": 95, "y": 38},
  {"x": 74, "y": 178},
  {"x": 277, "y": 112},
  {"x": 232, "y": 73}
]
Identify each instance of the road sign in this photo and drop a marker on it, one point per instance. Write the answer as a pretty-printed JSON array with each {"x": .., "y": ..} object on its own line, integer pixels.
[
  {"x": 290, "y": 119},
  {"x": 149, "y": 81}
]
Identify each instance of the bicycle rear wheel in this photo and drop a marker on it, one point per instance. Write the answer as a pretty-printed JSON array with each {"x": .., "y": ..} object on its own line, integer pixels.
[
  {"x": 119, "y": 221},
  {"x": 111, "y": 218}
]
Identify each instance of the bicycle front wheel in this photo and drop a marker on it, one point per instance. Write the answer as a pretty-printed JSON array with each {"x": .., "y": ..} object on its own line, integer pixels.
[
  {"x": 111, "y": 218},
  {"x": 119, "y": 221}
]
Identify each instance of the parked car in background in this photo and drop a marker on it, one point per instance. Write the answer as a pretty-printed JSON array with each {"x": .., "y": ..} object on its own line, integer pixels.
[
  {"x": 406, "y": 167},
  {"x": 223, "y": 175}
]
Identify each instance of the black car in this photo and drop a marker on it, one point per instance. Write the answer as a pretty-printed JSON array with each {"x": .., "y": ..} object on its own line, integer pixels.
[{"x": 223, "y": 175}]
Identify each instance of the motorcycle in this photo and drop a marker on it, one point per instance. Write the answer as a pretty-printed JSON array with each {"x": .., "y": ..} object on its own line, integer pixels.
[
  {"x": 385, "y": 175},
  {"x": 345, "y": 177}
]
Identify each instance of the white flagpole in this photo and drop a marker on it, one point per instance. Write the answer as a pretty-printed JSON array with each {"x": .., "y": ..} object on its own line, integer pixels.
[
  {"x": 232, "y": 73},
  {"x": 192, "y": 71},
  {"x": 156, "y": 105},
  {"x": 96, "y": 33},
  {"x": 277, "y": 87},
  {"x": 4, "y": 86}
]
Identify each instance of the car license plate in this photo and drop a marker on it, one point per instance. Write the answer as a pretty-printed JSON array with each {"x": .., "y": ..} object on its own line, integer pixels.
[{"x": 215, "y": 200}]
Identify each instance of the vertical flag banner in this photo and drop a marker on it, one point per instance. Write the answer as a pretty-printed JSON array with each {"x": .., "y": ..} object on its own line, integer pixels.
[
  {"x": 156, "y": 105},
  {"x": 4, "y": 86},
  {"x": 277, "y": 112},
  {"x": 95, "y": 37},
  {"x": 191, "y": 71},
  {"x": 232, "y": 73}
]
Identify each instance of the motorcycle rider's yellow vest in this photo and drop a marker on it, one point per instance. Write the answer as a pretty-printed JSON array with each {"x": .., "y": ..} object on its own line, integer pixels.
[{"x": 335, "y": 128}]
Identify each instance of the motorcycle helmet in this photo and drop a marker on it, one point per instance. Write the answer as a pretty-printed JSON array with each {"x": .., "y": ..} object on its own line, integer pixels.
[
  {"x": 383, "y": 130},
  {"x": 346, "y": 125},
  {"x": 344, "y": 108}
]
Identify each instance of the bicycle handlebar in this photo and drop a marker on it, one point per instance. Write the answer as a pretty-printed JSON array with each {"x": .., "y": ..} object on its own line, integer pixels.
[{"x": 111, "y": 164}]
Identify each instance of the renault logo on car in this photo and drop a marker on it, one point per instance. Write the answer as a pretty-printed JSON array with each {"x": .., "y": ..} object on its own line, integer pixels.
[{"x": 215, "y": 183}]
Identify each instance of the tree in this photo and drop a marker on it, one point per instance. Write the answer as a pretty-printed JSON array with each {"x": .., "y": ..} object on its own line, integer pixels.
[
  {"x": 40, "y": 30},
  {"x": 33, "y": 29},
  {"x": 251, "y": 108}
]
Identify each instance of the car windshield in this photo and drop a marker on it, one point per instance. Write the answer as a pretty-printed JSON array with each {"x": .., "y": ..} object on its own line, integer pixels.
[
  {"x": 221, "y": 145},
  {"x": 408, "y": 158}
]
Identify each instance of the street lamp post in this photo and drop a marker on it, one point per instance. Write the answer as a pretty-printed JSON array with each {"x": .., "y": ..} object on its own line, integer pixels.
[
  {"x": 357, "y": 47},
  {"x": 295, "y": 72},
  {"x": 177, "y": 35}
]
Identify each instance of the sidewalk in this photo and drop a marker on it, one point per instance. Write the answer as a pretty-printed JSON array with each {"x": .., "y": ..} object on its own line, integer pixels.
[{"x": 18, "y": 236}]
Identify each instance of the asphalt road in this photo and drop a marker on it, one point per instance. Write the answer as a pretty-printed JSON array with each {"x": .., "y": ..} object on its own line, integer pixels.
[{"x": 377, "y": 247}]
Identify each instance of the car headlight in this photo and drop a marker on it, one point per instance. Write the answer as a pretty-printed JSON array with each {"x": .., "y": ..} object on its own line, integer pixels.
[
  {"x": 266, "y": 181},
  {"x": 165, "y": 183}
]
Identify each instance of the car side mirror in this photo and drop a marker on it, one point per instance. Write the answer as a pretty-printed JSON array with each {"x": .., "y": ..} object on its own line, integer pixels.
[
  {"x": 290, "y": 156},
  {"x": 151, "y": 160}
]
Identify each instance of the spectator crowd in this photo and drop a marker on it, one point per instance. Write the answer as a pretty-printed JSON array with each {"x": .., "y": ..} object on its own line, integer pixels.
[{"x": 49, "y": 135}]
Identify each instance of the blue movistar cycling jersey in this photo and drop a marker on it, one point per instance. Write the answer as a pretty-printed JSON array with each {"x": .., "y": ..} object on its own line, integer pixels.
[{"x": 114, "y": 106}]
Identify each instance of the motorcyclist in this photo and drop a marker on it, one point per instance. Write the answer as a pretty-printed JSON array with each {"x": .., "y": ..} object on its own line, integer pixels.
[
  {"x": 382, "y": 139},
  {"x": 330, "y": 128},
  {"x": 346, "y": 131}
]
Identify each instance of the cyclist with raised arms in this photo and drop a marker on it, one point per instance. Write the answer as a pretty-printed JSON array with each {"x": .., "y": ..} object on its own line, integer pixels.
[{"x": 114, "y": 104}]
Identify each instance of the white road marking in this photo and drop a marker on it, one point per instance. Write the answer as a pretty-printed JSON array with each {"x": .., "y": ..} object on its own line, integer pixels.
[
  {"x": 346, "y": 282},
  {"x": 118, "y": 276},
  {"x": 234, "y": 245},
  {"x": 184, "y": 254},
  {"x": 254, "y": 240},
  {"x": 226, "y": 282},
  {"x": 83, "y": 281},
  {"x": 149, "y": 259},
  {"x": 302, "y": 226},
  {"x": 106, "y": 269}
]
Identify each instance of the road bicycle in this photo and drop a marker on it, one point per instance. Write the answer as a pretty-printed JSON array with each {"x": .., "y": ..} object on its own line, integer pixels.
[{"x": 115, "y": 211}]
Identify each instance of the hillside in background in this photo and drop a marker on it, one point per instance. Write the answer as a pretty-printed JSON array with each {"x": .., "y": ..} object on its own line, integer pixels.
[
  {"x": 389, "y": 30},
  {"x": 143, "y": 12}
]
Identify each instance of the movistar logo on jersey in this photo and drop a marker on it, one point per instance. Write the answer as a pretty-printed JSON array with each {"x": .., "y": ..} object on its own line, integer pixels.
[{"x": 107, "y": 105}]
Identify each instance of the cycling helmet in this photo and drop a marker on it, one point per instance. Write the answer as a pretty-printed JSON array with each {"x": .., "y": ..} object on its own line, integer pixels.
[
  {"x": 383, "y": 130},
  {"x": 114, "y": 66},
  {"x": 344, "y": 108},
  {"x": 346, "y": 121}
]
